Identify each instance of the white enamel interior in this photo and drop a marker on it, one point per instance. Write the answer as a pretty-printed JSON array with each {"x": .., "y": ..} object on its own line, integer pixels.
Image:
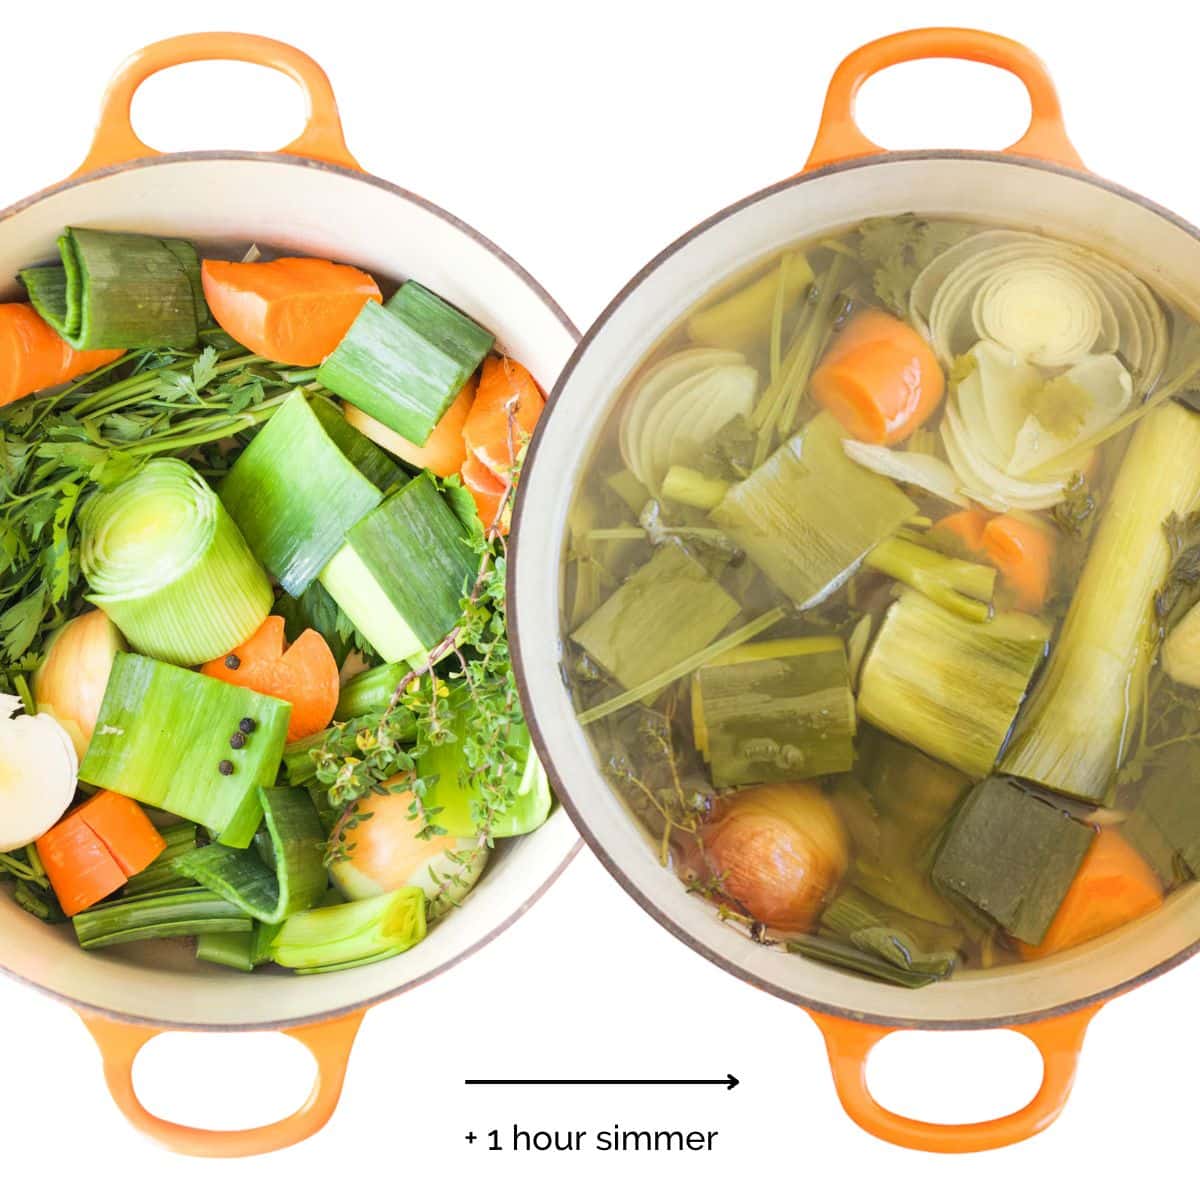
[
  {"x": 312, "y": 209},
  {"x": 1164, "y": 251}
]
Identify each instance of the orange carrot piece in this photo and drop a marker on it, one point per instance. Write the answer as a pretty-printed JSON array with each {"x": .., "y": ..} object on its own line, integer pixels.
[
  {"x": 1022, "y": 553},
  {"x": 94, "y": 850},
  {"x": 304, "y": 673},
  {"x": 486, "y": 489},
  {"x": 33, "y": 356},
  {"x": 965, "y": 527},
  {"x": 879, "y": 377},
  {"x": 291, "y": 310},
  {"x": 504, "y": 387},
  {"x": 444, "y": 449},
  {"x": 1114, "y": 885}
]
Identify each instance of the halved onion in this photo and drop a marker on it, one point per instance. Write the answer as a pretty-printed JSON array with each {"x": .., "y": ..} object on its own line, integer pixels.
[
  {"x": 39, "y": 772},
  {"x": 907, "y": 466}
]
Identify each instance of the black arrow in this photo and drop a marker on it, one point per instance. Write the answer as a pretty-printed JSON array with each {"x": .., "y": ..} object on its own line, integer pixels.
[{"x": 728, "y": 1083}]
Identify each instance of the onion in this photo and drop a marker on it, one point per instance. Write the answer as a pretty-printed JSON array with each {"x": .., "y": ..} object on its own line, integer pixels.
[
  {"x": 779, "y": 849},
  {"x": 908, "y": 466},
  {"x": 70, "y": 683},
  {"x": 386, "y": 854},
  {"x": 38, "y": 774}
]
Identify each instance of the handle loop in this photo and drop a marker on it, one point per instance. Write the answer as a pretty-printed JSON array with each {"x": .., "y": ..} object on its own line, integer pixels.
[
  {"x": 116, "y": 142},
  {"x": 839, "y": 137},
  {"x": 1058, "y": 1040},
  {"x": 329, "y": 1042}
]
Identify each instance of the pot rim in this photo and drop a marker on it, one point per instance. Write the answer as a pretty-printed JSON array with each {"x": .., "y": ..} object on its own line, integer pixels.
[
  {"x": 364, "y": 177},
  {"x": 578, "y": 817}
]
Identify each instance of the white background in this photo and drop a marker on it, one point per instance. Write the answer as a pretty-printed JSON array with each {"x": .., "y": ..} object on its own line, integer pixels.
[{"x": 582, "y": 139}]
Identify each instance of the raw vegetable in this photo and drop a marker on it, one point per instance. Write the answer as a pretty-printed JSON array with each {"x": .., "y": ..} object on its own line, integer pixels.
[
  {"x": 1113, "y": 886},
  {"x": 1024, "y": 553},
  {"x": 96, "y": 849},
  {"x": 160, "y": 876},
  {"x": 403, "y": 363},
  {"x": 343, "y": 934},
  {"x": 773, "y": 711},
  {"x": 300, "y": 486},
  {"x": 960, "y": 587},
  {"x": 233, "y": 950},
  {"x": 184, "y": 912},
  {"x": 385, "y": 852},
  {"x": 444, "y": 449},
  {"x": 738, "y": 320},
  {"x": 949, "y": 686},
  {"x": 925, "y": 471},
  {"x": 292, "y": 310},
  {"x": 879, "y": 378},
  {"x": 403, "y": 572},
  {"x": 506, "y": 408},
  {"x": 38, "y": 772},
  {"x": 164, "y": 732},
  {"x": 34, "y": 357},
  {"x": 164, "y": 560},
  {"x": 304, "y": 674},
  {"x": 676, "y": 407},
  {"x": 1049, "y": 302},
  {"x": 668, "y": 609},
  {"x": 782, "y": 516},
  {"x": 1074, "y": 732},
  {"x": 342, "y": 742},
  {"x": 369, "y": 691},
  {"x": 1011, "y": 855},
  {"x": 778, "y": 850},
  {"x": 120, "y": 290},
  {"x": 288, "y": 878},
  {"x": 70, "y": 683},
  {"x": 487, "y": 490}
]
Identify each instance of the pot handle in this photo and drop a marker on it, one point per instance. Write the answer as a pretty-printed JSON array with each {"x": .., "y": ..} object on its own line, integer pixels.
[
  {"x": 116, "y": 142},
  {"x": 1058, "y": 1040},
  {"x": 839, "y": 137},
  {"x": 329, "y": 1042}
]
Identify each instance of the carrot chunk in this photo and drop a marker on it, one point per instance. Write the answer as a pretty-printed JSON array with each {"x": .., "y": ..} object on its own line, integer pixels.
[
  {"x": 505, "y": 389},
  {"x": 305, "y": 674},
  {"x": 965, "y": 527},
  {"x": 1022, "y": 553},
  {"x": 33, "y": 356},
  {"x": 291, "y": 310},
  {"x": 444, "y": 449},
  {"x": 486, "y": 489},
  {"x": 879, "y": 377}
]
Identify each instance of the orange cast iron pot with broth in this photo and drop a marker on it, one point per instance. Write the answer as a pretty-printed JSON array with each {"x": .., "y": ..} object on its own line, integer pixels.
[
  {"x": 1039, "y": 182},
  {"x": 312, "y": 197}
]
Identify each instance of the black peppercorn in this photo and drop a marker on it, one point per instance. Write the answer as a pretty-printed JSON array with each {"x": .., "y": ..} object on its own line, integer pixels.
[
  {"x": 238, "y": 740},
  {"x": 232, "y": 661},
  {"x": 225, "y": 767},
  {"x": 247, "y": 724}
]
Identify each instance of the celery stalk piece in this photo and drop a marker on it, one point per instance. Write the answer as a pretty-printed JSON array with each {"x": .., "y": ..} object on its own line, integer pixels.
[
  {"x": 403, "y": 363},
  {"x": 166, "y": 562},
  {"x": 947, "y": 685},
  {"x": 809, "y": 515},
  {"x": 775, "y": 710},
  {"x": 163, "y": 732},
  {"x": 1012, "y": 856},
  {"x": 403, "y": 572},
  {"x": 228, "y": 949},
  {"x": 160, "y": 876},
  {"x": 666, "y": 610},
  {"x": 120, "y": 291},
  {"x": 186, "y": 912},
  {"x": 1075, "y": 729},
  {"x": 370, "y": 691},
  {"x": 295, "y": 881},
  {"x": 298, "y": 765},
  {"x": 348, "y": 933},
  {"x": 960, "y": 587},
  {"x": 297, "y": 489}
]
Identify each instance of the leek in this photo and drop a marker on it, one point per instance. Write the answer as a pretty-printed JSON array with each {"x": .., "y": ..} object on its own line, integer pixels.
[
  {"x": 404, "y": 571},
  {"x": 403, "y": 363},
  {"x": 1076, "y": 729},
  {"x": 163, "y": 733},
  {"x": 897, "y": 937},
  {"x": 740, "y": 319},
  {"x": 369, "y": 692},
  {"x": 683, "y": 485},
  {"x": 666, "y": 610},
  {"x": 1012, "y": 856},
  {"x": 295, "y": 879},
  {"x": 836, "y": 953},
  {"x": 299, "y": 487},
  {"x": 186, "y": 912},
  {"x": 961, "y": 587},
  {"x": 166, "y": 562},
  {"x": 160, "y": 875},
  {"x": 1165, "y": 826},
  {"x": 354, "y": 932},
  {"x": 949, "y": 686},
  {"x": 772, "y": 711},
  {"x": 120, "y": 291},
  {"x": 784, "y": 517}
]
